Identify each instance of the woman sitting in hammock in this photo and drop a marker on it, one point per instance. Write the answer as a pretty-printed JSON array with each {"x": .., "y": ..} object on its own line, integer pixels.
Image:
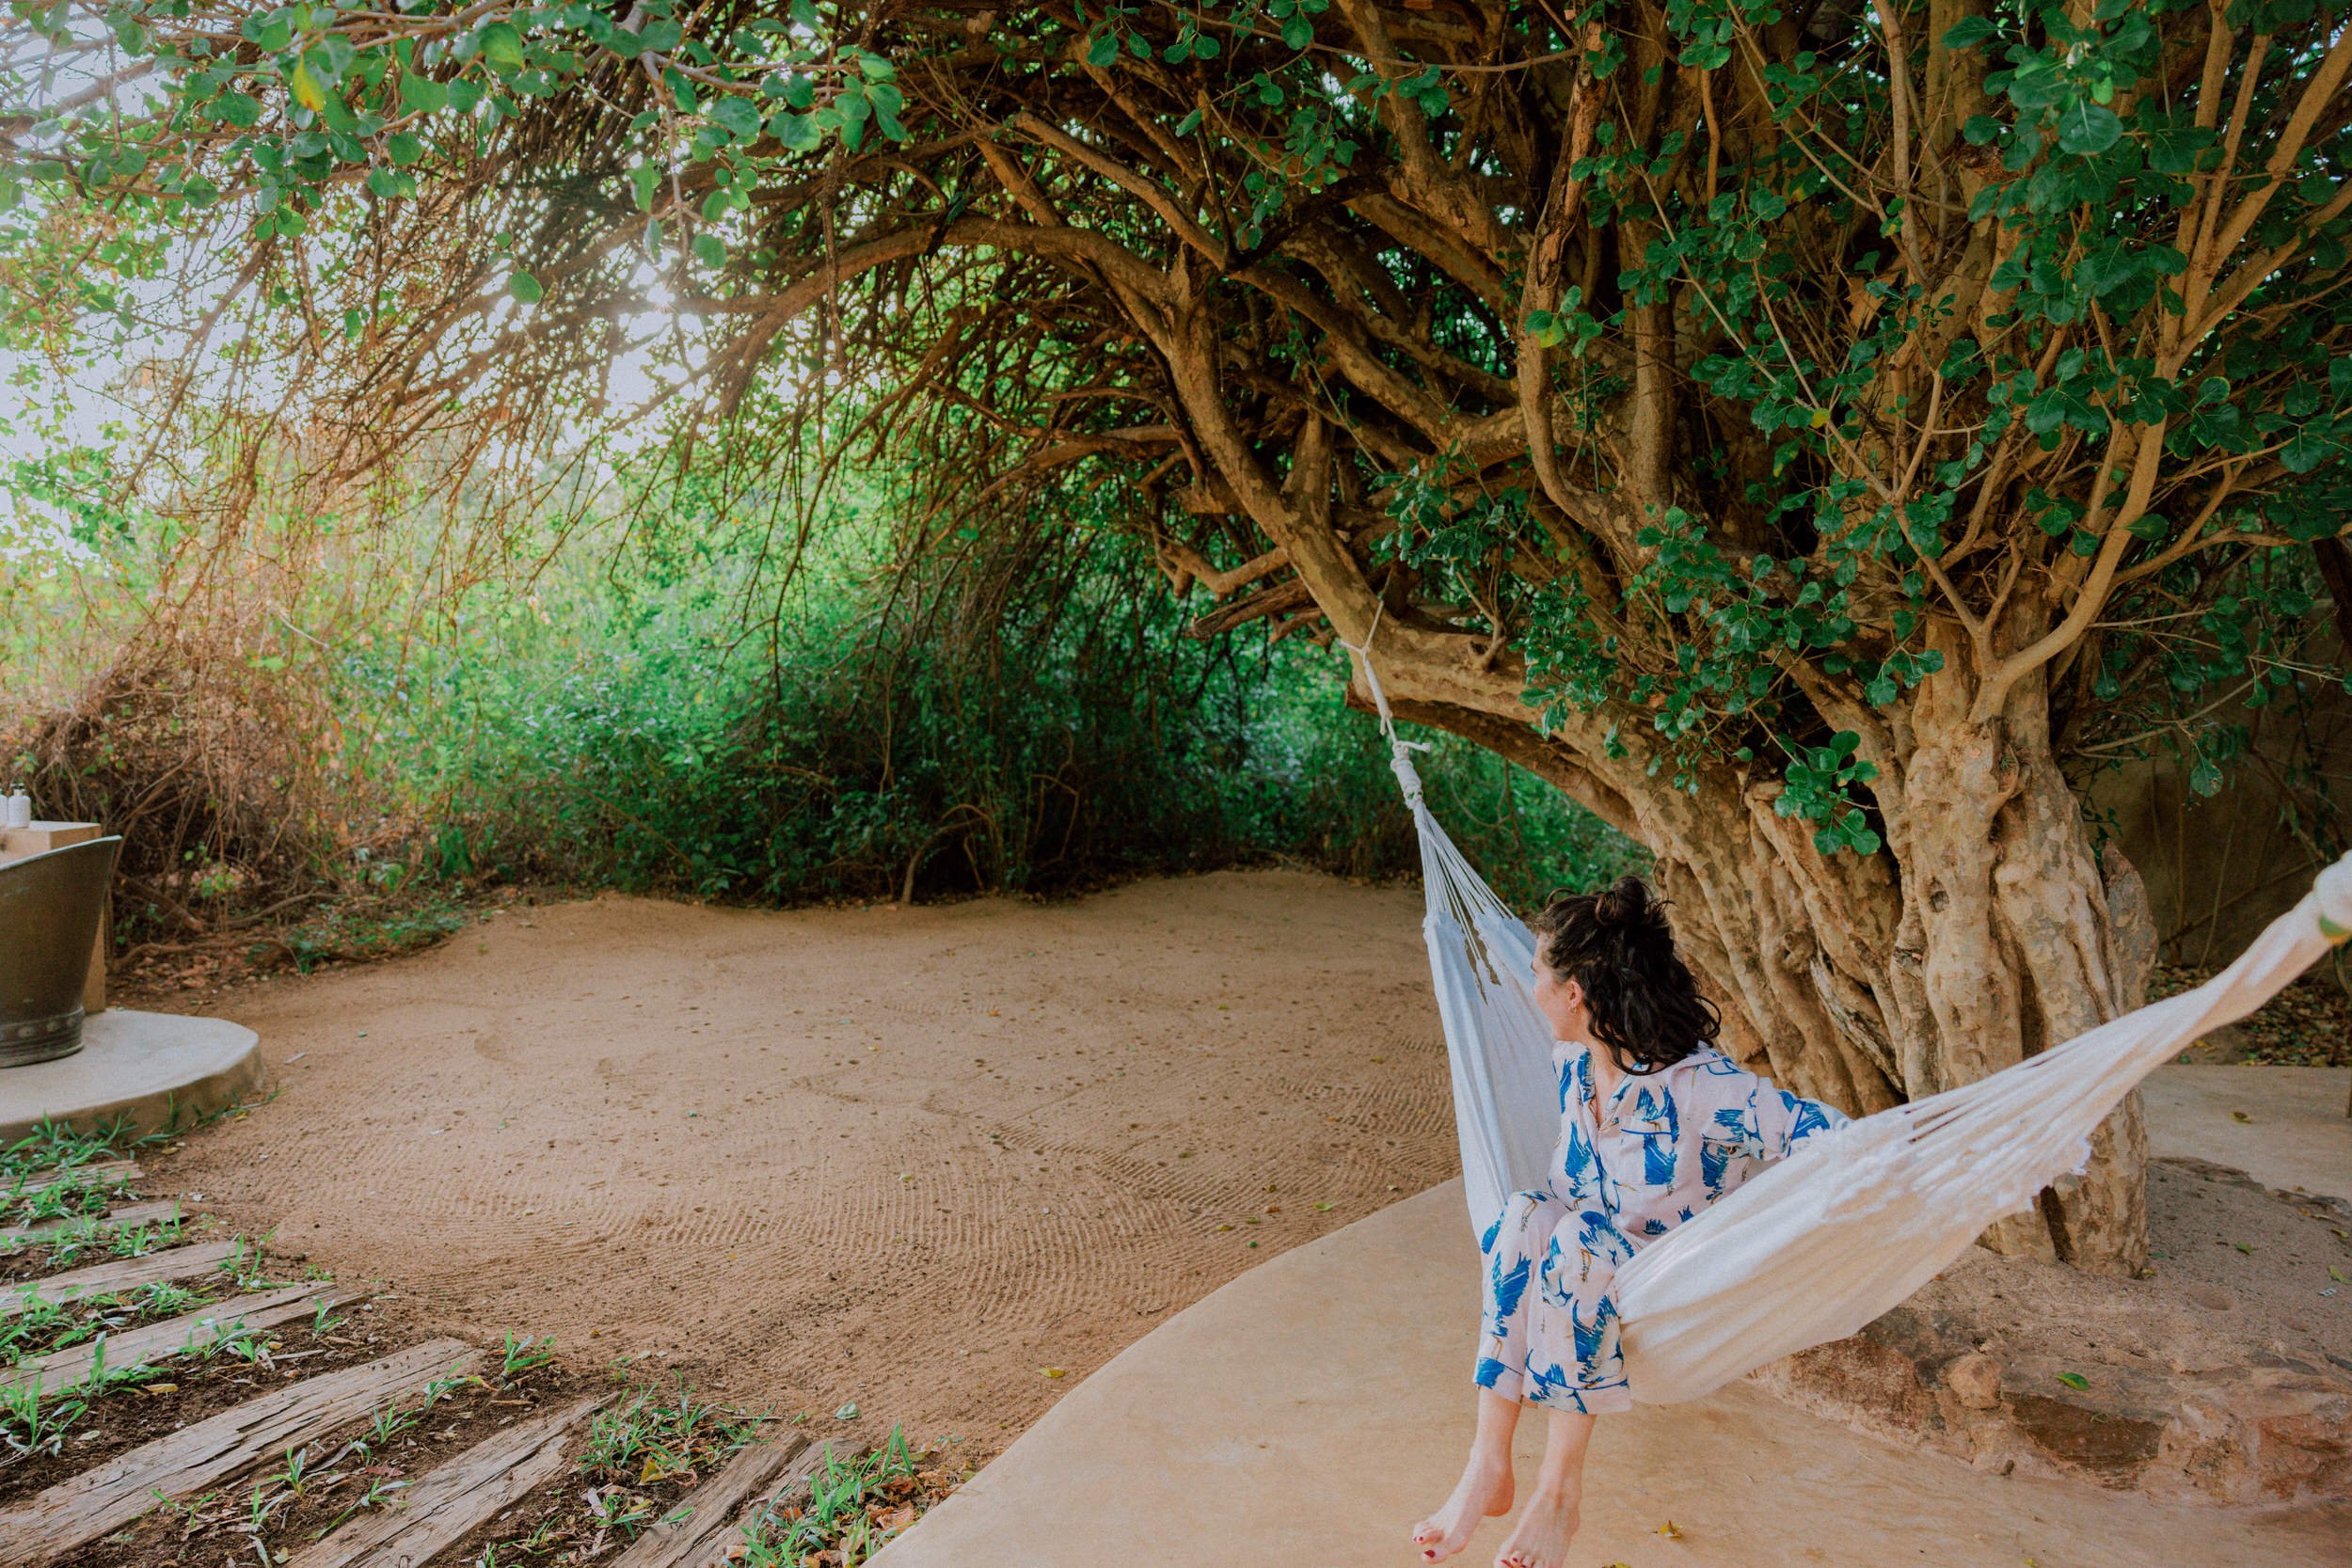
[{"x": 1654, "y": 1126}]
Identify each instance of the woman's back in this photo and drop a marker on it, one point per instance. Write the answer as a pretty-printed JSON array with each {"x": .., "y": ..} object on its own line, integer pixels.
[{"x": 1661, "y": 1146}]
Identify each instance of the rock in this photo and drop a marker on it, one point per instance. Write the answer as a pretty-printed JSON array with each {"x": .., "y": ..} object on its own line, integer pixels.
[
  {"x": 2110, "y": 1430},
  {"x": 1974, "y": 1380},
  {"x": 2191, "y": 1390}
]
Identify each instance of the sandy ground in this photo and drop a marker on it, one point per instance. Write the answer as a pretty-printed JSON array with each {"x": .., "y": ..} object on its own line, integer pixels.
[{"x": 902, "y": 1157}]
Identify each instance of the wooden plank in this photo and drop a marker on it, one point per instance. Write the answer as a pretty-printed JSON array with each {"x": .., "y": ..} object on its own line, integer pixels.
[
  {"x": 715, "y": 1510},
  {"x": 98, "y": 1502},
  {"x": 119, "y": 1274},
  {"x": 156, "y": 1340},
  {"x": 151, "y": 1211},
  {"x": 456, "y": 1498},
  {"x": 97, "y": 1173}
]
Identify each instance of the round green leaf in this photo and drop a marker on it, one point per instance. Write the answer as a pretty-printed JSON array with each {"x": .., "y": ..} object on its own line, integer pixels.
[
  {"x": 2085, "y": 129},
  {"x": 502, "y": 45}
]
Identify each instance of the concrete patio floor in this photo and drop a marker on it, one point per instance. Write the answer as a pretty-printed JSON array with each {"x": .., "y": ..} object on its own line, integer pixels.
[
  {"x": 2293, "y": 1133},
  {"x": 1308, "y": 1412}
]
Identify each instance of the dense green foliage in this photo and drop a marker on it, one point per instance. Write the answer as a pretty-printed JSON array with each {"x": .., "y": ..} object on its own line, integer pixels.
[
  {"x": 1968, "y": 291},
  {"x": 611, "y": 720},
  {"x": 1068, "y": 740}
]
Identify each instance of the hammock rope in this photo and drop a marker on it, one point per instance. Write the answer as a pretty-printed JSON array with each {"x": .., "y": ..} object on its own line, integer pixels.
[{"x": 1815, "y": 1246}]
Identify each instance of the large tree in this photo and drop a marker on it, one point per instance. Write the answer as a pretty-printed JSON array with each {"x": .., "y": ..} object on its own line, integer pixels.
[{"x": 1802, "y": 434}]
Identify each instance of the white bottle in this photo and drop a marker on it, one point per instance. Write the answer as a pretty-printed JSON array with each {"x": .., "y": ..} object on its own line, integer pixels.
[{"x": 20, "y": 809}]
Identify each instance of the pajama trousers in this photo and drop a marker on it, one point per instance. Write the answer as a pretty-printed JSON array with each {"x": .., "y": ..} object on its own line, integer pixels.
[{"x": 1556, "y": 1344}]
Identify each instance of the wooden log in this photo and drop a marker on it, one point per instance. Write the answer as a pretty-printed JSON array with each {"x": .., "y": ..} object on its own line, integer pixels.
[
  {"x": 151, "y": 1211},
  {"x": 455, "y": 1499},
  {"x": 119, "y": 1274},
  {"x": 709, "y": 1519},
  {"x": 97, "y": 1502},
  {"x": 155, "y": 1341},
  {"x": 106, "y": 1173}
]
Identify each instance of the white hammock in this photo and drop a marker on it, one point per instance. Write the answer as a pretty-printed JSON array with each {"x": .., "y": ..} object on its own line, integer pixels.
[{"x": 1815, "y": 1246}]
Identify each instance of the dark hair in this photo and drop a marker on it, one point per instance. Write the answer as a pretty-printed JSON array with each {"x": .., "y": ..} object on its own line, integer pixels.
[{"x": 1615, "y": 943}]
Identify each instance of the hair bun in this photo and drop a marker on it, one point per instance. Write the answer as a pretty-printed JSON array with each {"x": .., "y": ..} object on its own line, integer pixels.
[{"x": 1625, "y": 903}]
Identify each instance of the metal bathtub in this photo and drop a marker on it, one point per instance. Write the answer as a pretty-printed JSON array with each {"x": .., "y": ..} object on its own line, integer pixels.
[{"x": 50, "y": 906}]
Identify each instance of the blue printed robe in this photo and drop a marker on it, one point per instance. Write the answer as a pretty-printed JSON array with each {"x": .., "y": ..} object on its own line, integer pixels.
[{"x": 1664, "y": 1145}]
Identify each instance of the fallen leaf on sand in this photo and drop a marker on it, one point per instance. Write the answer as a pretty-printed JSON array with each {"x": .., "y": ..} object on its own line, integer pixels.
[
  {"x": 1054, "y": 1372},
  {"x": 2074, "y": 1380},
  {"x": 1668, "y": 1530}
]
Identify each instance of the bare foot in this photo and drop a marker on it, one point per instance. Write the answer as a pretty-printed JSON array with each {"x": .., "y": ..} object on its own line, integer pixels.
[
  {"x": 1540, "y": 1539},
  {"x": 1484, "y": 1490}
]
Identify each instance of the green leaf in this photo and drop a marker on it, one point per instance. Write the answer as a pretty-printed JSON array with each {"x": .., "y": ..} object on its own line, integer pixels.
[
  {"x": 423, "y": 93},
  {"x": 644, "y": 181},
  {"x": 404, "y": 148},
  {"x": 1970, "y": 32},
  {"x": 710, "y": 250},
  {"x": 524, "y": 287},
  {"x": 1102, "y": 51},
  {"x": 2085, "y": 129},
  {"x": 502, "y": 45},
  {"x": 2304, "y": 454},
  {"x": 794, "y": 131},
  {"x": 2074, "y": 1380},
  {"x": 738, "y": 115}
]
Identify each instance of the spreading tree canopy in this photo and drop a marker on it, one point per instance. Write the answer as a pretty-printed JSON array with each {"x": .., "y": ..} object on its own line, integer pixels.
[{"x": 1810, "y": 436}]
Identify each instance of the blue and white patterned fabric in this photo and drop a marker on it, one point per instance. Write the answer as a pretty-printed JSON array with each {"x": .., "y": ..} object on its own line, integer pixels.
[{"x": 1664, "y": 1147}]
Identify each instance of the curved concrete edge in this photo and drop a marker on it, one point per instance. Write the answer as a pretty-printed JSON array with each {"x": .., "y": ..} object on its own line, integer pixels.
[
  {"x": 162, "y": 1071},
  {"x": 1308, "y": 1413}
]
